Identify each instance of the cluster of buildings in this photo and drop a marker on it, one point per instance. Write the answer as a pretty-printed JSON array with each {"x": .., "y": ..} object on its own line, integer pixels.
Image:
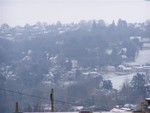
[{"x": 28, "y": 32}]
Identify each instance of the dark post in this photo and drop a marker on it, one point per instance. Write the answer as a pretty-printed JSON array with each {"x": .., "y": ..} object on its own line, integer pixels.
[
  {"x": 52, "y": 100},
  {"x": 17, "y": 107}
]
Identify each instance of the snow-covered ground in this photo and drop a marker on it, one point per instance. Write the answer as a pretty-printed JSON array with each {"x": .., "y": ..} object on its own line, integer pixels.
[
  {"x": 143, "y": 57},
  {"x": 78, "y": 112},
  {"x": 118, "y": 80}
]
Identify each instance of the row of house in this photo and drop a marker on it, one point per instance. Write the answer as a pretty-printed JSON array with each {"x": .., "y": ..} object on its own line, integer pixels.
[
  {"x": 31, "y": 31},
  {"x": 127, "y": 68}
]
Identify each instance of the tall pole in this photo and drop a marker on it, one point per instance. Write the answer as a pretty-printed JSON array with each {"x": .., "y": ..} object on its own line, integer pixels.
[
  {"x": 17, "y": 107},
  {"x": 52, "y": 100}
]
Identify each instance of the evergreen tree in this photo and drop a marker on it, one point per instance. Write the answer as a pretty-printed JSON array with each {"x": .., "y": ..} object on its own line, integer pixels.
[
  {"x": 107, "y": 84},
  {"x": 125, "y": 94},
  {"x": 138, "y": 83}
]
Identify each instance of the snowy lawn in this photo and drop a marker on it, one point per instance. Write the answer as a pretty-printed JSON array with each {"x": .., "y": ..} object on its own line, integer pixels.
[
  {"x": 118, "y": 80},
  {"x": 143, "y": 57}
]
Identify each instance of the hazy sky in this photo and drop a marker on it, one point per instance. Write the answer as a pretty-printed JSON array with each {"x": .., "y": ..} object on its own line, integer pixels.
[{"x": 20, "y": 12}]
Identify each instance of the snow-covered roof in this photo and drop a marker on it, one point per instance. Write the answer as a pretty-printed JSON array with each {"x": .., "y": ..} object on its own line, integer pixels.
[
  {"x": 146, "y": 45},
  {"x": 77, "y": 108},
  {"x": 146, "y": 67},
  {"x": 50, "y": 112},
  {"x": 110, "y": 67},
  {"x": 109, "y": 51},
  {"x": 136, "y": 37},
  {"x": 121, "y": 66},
  {"x": 123, "y": 56},
  {"x": 147, "y": 99}
]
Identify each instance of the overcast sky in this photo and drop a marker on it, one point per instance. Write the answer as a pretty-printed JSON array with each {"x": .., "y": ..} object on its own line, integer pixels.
[{"x": 20, "y": 12}]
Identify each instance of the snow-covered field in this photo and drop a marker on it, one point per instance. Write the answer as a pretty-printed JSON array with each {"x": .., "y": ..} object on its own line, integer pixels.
[
  {"x": 143, "y": 57},
  {"x": 118, "y": 80}
]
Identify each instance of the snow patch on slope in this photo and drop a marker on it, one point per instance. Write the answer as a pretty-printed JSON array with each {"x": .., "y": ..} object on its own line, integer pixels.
[
  {"x": 118, "y": 80},
  {"x": 143, "y": 57}
]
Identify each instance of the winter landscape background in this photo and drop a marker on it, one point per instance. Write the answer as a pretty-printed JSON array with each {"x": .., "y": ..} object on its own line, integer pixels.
[
  {"x": 91, "y": 65},
  {"x": 96, "y": 57}
]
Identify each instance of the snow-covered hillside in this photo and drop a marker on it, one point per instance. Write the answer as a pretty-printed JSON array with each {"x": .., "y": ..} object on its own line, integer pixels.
[
  {"x": 118, "y": 80},
  {"x": 143, "y": 57}
]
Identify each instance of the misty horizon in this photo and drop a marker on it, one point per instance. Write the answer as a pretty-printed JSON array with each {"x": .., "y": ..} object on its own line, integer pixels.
[{"x": 15, "y": 12}]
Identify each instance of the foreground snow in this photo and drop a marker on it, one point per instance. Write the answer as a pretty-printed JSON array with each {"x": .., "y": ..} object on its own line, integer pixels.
[
  {"x": 123, "y": 110},
  {"x": 78, "y": 112}
]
